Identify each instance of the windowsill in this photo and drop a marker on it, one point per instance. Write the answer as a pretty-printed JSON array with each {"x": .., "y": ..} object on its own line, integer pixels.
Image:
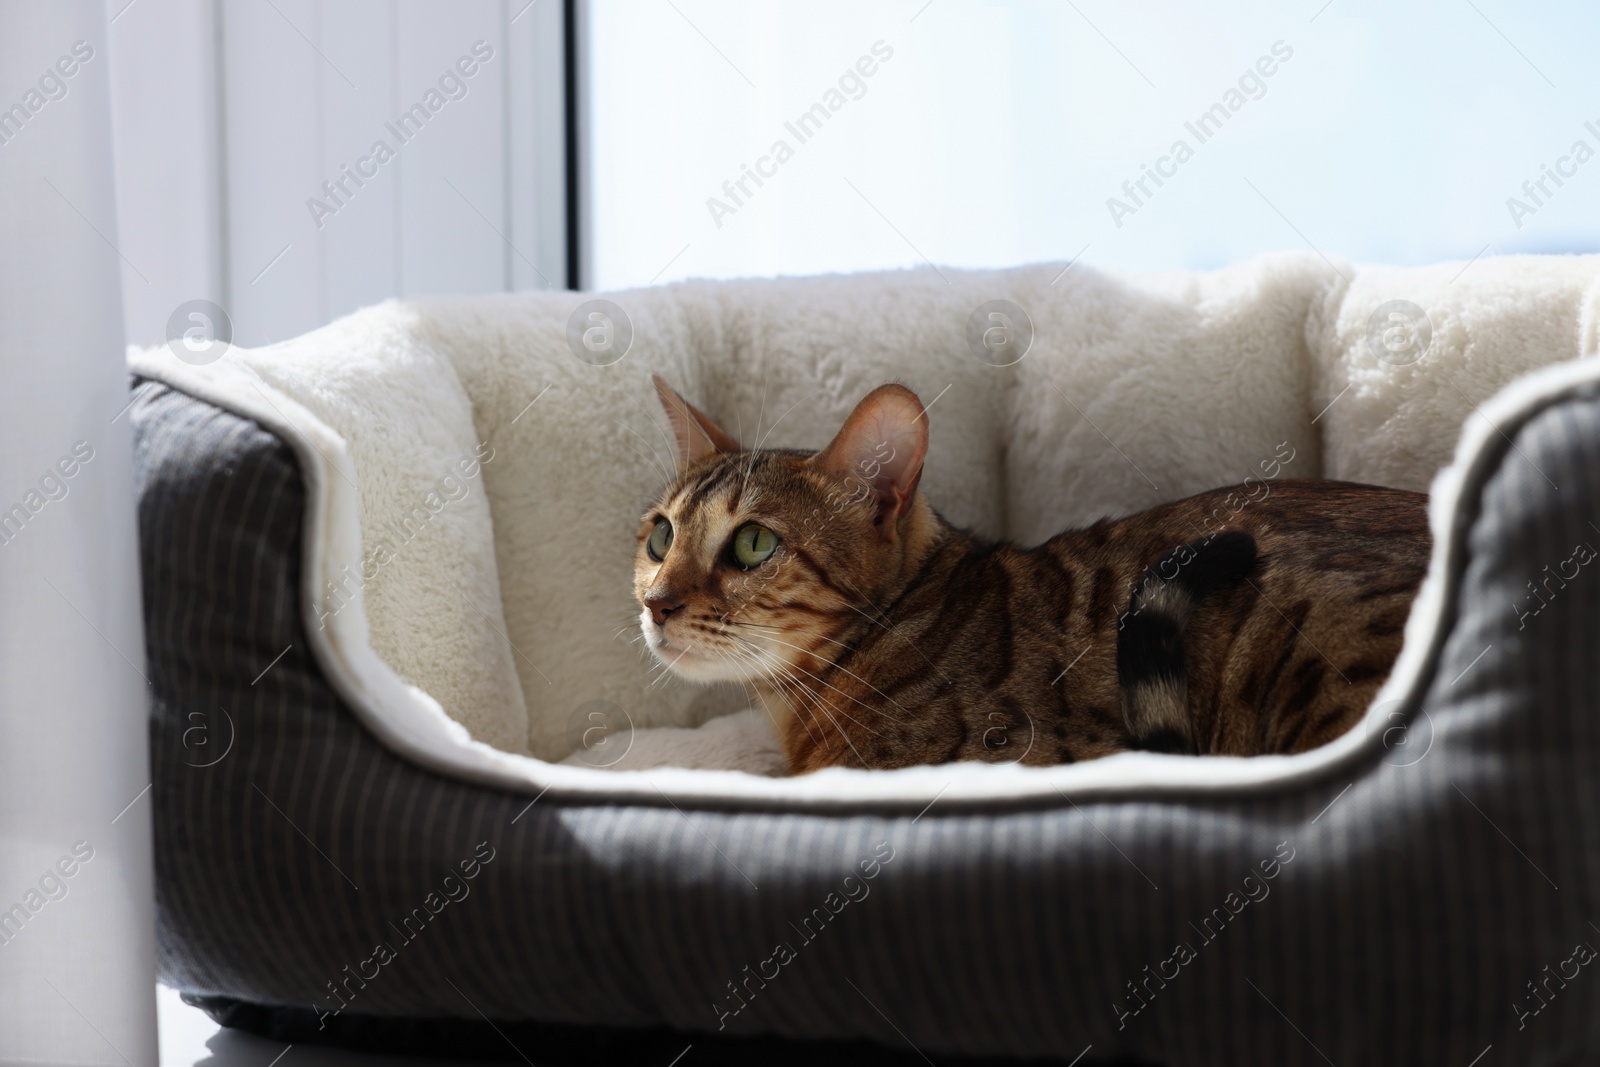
[{"x": 190, "y": 1039}]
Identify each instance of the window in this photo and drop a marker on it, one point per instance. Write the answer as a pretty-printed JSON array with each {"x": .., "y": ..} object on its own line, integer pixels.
[{"x": 1006, "y": 133}]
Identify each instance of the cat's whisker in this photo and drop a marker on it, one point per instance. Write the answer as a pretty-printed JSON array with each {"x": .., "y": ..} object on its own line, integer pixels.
[
  {"x": 852, "y": 674},
  {"x": 753, "y": 453},
  {"x": 732, "y": 658},
  {"x": 799, "y": 695},
  {"x": 808, "y": 719},
  {"x": 672, "y": 449},
  {"x": 829, "y": 709},
  {"x": 654, "y": 459},
  {"x": 781, "y": 629},
  {"x": 785, "y": 686},
  {"x": 829, "y": 685},
  {"x": 785, "y": 415},
  {"x": 778, "y": 684},
  {"x": 790, "y": 667},
  {"x": 822, "y": 706},
  {"x": 667, "y": 673}
]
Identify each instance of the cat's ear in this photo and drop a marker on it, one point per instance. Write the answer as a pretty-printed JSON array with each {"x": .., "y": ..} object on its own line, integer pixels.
[
  {"x": 697, "y": 436},
  {"x": 882, "y": 445}
]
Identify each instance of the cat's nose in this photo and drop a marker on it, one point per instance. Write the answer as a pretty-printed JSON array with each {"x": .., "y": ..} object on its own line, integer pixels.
[{"x": 662, "y": 606}]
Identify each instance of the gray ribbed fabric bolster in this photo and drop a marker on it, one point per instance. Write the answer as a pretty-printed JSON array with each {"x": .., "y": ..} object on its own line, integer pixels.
[{"x": 1394, "y": 914}]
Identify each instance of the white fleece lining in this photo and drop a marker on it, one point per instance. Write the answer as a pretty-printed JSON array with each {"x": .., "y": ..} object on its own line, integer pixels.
[{"x": 413, "y": 725}]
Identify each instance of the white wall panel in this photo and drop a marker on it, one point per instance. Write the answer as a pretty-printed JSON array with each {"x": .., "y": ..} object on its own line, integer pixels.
[
  {"x": 169, "y": 206},
  {"x": 274, "y": 88},
  {"x": 453, "y": 207},
  {"x": 358, "y": 246},
  {"x": 233, "y": 114}
]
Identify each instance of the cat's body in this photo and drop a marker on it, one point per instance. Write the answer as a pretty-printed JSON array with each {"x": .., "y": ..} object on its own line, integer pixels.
[
  {"x": 1017, "y": 648},
  {"x": 1237, "y": 622}
]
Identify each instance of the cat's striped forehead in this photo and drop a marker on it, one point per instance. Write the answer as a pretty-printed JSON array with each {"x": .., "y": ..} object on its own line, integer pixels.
[{"x": 734, "y": 480}]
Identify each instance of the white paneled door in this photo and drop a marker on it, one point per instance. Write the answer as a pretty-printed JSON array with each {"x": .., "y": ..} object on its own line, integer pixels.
[{"x": 293, "y": 160}]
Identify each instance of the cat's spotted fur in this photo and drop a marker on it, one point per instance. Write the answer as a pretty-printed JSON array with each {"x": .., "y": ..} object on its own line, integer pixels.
[{"x": 1238, "y": 622}]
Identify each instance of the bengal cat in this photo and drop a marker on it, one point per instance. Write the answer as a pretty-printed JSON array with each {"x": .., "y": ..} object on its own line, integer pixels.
[{"x": 1237, "y": 622}]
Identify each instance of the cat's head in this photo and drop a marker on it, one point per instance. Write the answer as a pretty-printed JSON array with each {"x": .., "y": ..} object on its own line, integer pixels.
[{"x": 753, "y": 560}]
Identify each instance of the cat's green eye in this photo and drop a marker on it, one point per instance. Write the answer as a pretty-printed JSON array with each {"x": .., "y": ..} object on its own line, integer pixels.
[
  {"x": 753, "y": 545},
  {"x": 660, "y": 540}
]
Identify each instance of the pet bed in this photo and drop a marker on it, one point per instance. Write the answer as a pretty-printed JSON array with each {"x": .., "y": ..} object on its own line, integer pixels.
[{"x": 386, "y": 567}]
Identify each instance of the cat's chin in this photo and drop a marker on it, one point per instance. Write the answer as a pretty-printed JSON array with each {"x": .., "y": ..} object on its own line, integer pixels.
[
  {"x": 692, "y": 666},
  {"x": 686, "y": 661}
]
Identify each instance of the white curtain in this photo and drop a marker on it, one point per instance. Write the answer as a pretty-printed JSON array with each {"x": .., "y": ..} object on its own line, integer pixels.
[{"x": 76, "y": 932}]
